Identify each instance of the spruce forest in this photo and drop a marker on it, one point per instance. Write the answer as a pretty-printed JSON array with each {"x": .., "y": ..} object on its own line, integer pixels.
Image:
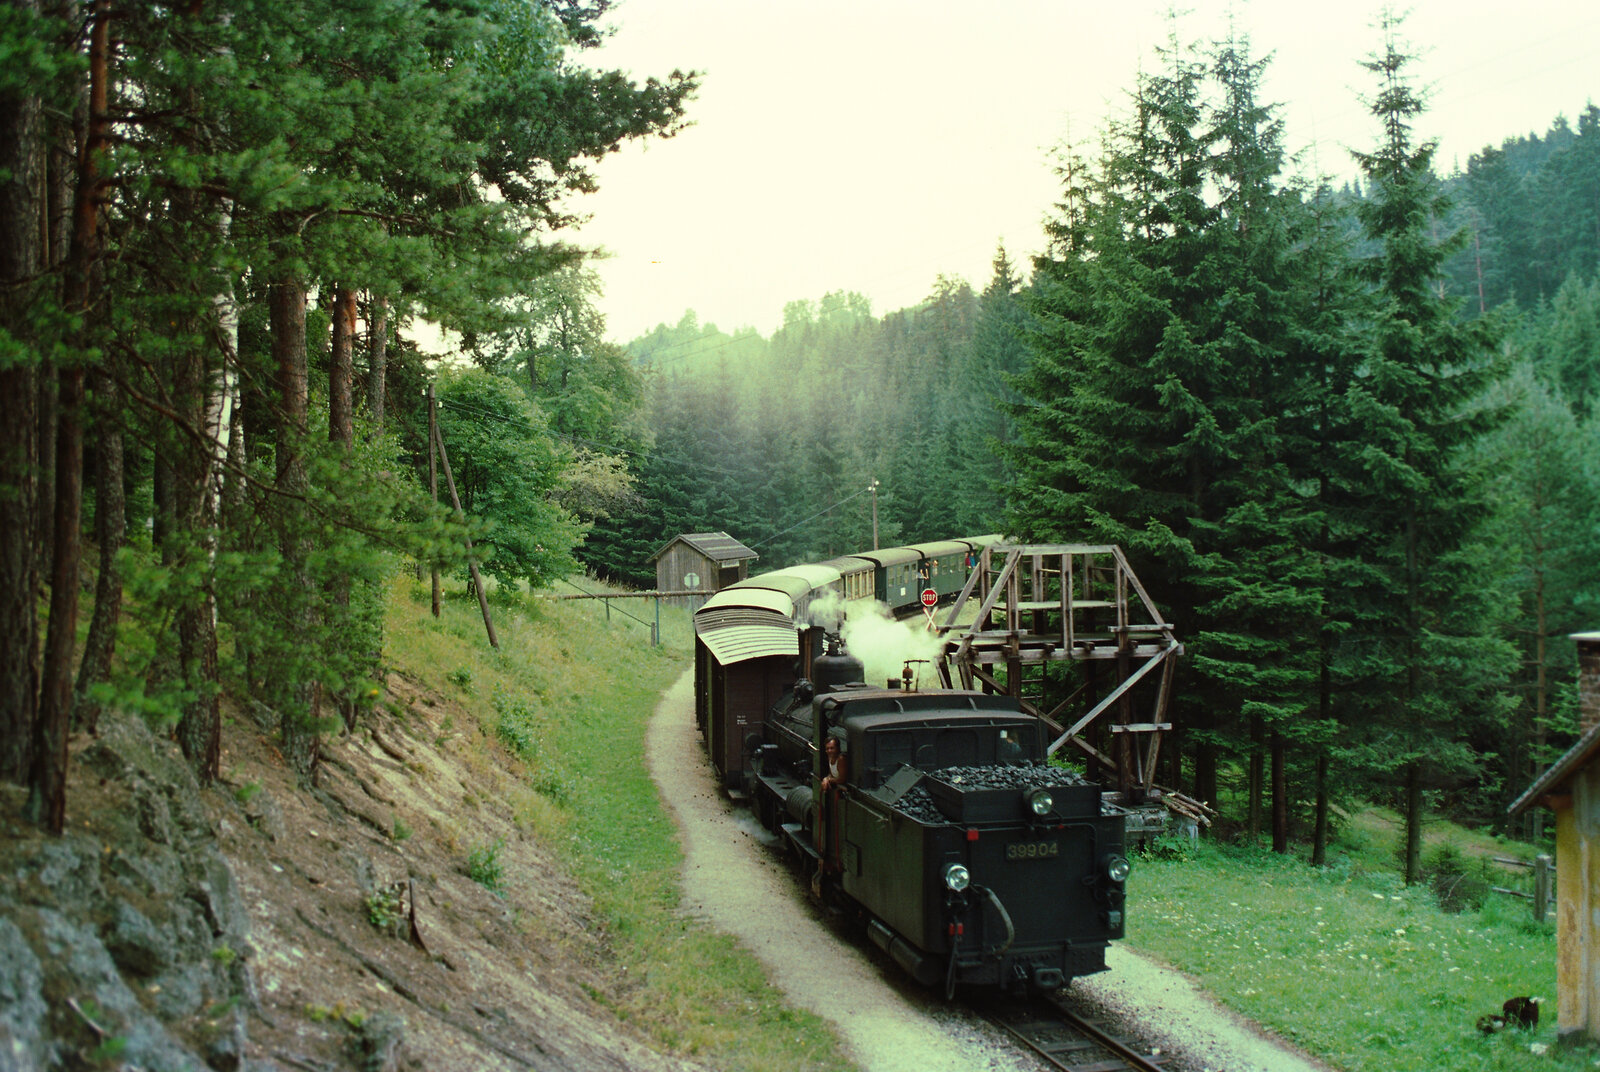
[{"x": 1347, "y": 433}]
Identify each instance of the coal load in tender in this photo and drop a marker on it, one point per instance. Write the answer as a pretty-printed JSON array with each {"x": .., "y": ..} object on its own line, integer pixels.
[{"x": 918, "y": 803}]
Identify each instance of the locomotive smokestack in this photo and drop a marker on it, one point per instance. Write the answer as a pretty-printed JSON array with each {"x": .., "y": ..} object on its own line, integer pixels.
[{"x": 835, "y": 668}]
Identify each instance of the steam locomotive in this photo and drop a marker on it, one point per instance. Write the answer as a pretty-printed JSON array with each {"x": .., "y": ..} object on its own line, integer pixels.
[{"x": 971, "y": 860}]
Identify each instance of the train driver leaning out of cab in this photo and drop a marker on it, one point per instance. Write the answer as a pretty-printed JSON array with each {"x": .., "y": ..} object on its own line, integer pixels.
[{"x": 838, "y": 765}]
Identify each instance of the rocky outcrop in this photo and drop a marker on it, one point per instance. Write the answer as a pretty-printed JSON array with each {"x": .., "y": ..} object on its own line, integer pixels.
[{"x": 126, "y": 939}]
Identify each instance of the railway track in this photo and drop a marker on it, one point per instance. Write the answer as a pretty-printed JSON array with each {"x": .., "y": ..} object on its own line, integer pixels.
[{"x": 1069, "y": 1042}]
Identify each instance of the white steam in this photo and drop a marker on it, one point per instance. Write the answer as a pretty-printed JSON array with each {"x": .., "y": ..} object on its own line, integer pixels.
[
  {"x": 882, "y": 644},
  {"x": 826, "y": 611}
]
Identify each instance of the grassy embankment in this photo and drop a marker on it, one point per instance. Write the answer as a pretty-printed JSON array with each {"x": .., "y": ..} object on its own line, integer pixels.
[
  {"x": 1348, "y": 962},
  {"x": 570, "y": 691}
]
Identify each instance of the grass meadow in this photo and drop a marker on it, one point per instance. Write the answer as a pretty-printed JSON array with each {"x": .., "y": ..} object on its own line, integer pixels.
[{"x": 1348, "y": 962}]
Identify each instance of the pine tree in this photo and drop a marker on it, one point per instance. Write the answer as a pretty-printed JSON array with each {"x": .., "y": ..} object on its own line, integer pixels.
[
  {"x": 1152, "y": 406},
  {"x": 981, "y": 420},
  {"x": 1434, "y": 655}
]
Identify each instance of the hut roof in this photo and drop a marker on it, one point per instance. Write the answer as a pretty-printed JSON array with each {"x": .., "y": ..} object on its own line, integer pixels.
[
  {"x": 717, "y": 546},
  {"x": 1555, "y": 778},
  {"x": 1576, "y": 757}
]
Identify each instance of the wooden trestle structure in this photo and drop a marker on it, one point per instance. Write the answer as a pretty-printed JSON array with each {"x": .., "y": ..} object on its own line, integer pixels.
[{"x": 1043, "y": 603}]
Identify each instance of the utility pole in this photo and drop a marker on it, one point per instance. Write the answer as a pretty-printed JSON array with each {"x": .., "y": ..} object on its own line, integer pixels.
[{"x": 873, "y": 487}]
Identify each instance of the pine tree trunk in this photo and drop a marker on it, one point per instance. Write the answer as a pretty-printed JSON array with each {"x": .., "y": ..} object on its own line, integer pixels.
[
  {"x": 1257, "y": 778},
  {"x": 110, "y": 527},
  {"x": 1319, "y": 835},
  {"x": 298, "y": 700},
  {"x": 201, "y": 394},
  {"x": 1280, "y": 794},
  {"x": 341, "y": 431},
  {"x": 47, "y": 778},
  {"x": 46, "y": 408},
  {"x": 341, "y": 368},
  {"x": 1413, "y": 822},
  {"x": 21, "y": 255},
  {"x": 378, "y": 361}
]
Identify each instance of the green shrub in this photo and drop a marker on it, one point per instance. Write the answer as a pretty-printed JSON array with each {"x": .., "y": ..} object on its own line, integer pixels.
[
  {"x": 383, "y": 908},
  {"x": 484, "y": 866},
  {"x": 1169, "y": 847},
  {"x": 517, "y": 726},
  {"x": 1453, "y": 883}
]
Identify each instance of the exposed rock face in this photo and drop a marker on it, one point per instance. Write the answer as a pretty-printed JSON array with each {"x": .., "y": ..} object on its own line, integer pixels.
[
  {"x": 127, "y": 936},
  {"x": 258, "y": 926}
]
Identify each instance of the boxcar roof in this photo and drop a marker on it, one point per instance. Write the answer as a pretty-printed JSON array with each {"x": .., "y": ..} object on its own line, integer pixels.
[
  {"x": 747, "y": 623},
  {"x": 742, "y": 595},
  {"x": 751, "y": 640}
]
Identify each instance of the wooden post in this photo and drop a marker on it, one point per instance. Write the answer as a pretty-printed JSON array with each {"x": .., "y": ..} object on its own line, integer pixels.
[
  {"x": 1543, "y": 880},
  {"x": 455, "y": 500},
  {"x": 433, "y": 483}
]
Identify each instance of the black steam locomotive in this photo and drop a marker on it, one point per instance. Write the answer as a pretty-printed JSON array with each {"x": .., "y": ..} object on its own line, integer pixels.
[{"x": 972, "y": 861}]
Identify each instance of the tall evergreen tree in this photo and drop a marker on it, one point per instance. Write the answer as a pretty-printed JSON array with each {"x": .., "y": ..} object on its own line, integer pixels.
[
  {"x": 1434, "y": 657},
  {"x": 1153, "y": 400},
  {"x": 981, "y": 420}
]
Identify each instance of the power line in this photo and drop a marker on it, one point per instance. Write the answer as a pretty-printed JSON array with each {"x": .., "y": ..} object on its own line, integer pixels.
[{"x": 828, "y": 510}]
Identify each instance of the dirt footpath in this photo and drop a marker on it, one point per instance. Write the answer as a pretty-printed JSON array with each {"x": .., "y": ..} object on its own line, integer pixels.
[{"x": 734, "y": 879}]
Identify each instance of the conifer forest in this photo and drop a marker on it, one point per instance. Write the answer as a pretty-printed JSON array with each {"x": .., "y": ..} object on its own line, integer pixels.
[{"x": 1346, "y": 432}]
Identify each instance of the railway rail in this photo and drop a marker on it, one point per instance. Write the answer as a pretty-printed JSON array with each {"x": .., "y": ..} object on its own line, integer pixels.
[{"x": 1068, "y": 1041}]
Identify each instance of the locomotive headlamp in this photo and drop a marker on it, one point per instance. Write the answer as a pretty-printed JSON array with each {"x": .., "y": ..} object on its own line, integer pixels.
[
  {"x": 1117, "y": 868},
  {"x": 957, "y": 878},
  {"x": 1040, "y": 801}
]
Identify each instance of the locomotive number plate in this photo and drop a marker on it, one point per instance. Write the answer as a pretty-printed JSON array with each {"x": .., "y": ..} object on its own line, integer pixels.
[{"x": 1032, "y": 850}]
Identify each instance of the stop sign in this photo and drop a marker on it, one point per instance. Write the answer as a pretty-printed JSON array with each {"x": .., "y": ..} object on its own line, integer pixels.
[{"x": 930, "y": 598}]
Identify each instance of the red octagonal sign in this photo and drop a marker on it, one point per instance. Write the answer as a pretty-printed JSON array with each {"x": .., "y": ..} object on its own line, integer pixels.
[{"x": 930, "y": 598}]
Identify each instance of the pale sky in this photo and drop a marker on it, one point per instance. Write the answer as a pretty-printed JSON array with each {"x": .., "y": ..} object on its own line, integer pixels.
[{"x": 871, "y": 145}]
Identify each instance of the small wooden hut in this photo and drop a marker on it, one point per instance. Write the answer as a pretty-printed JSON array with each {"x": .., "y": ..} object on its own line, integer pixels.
[
  {"x": 704, "y": 562},
  {"x": 1571, "y": 788}
]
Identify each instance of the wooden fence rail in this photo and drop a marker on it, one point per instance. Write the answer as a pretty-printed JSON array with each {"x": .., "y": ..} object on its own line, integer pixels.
[{"x": 1544, "y": 881}]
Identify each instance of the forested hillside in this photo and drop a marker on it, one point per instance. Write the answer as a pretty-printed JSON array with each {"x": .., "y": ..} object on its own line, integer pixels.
[
  {"x": 213, "y": 216},
  {"x": 1346, "y": 431}
]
